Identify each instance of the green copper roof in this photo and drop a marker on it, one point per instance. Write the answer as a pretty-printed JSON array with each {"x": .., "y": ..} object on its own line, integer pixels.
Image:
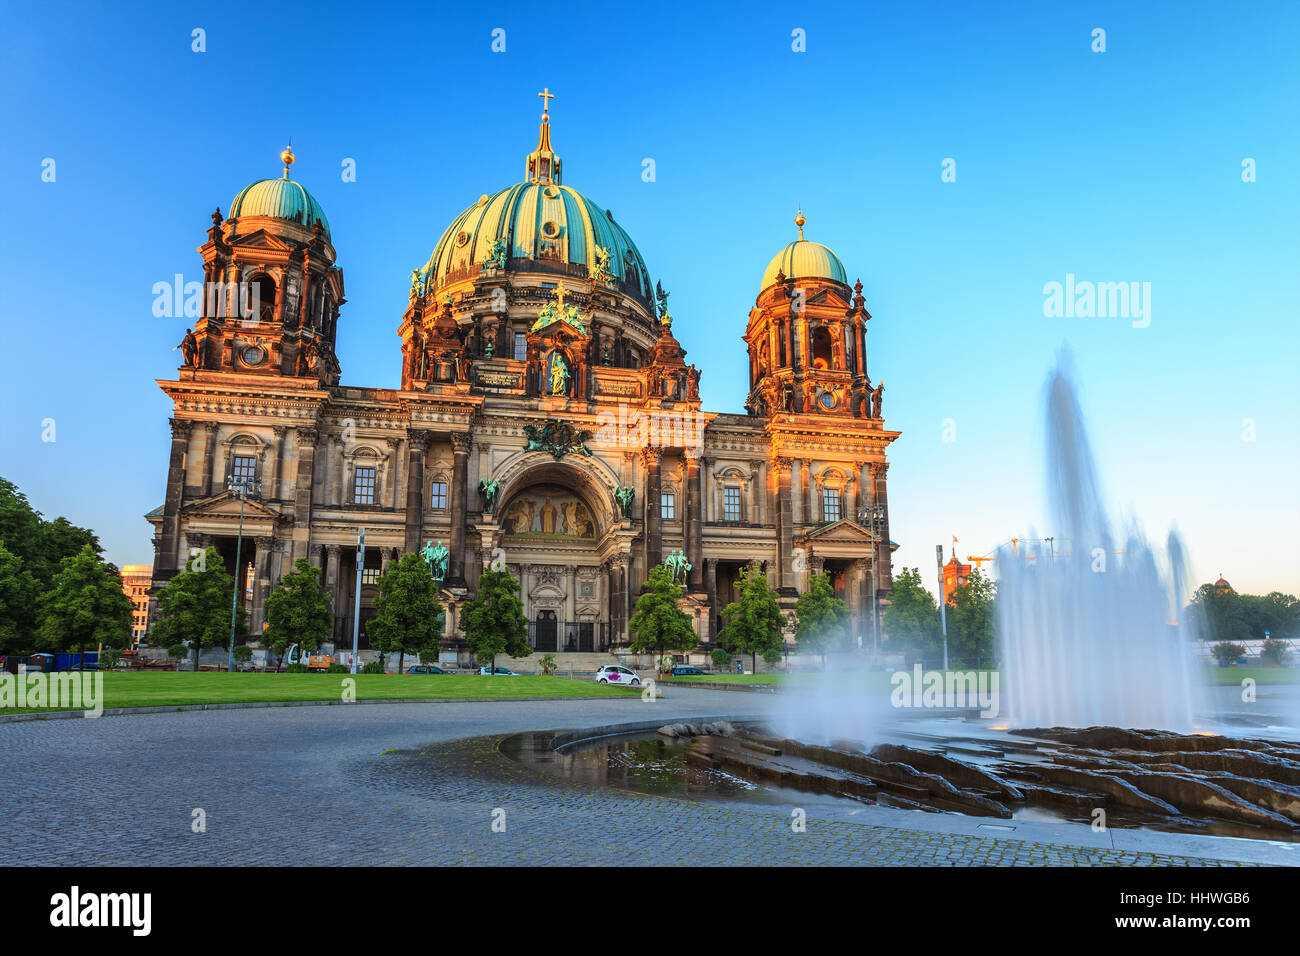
[
  {"x": 539, "y": 221},
  {"x": 805, "y": 260},
  {"x": 279, "y": 199}
]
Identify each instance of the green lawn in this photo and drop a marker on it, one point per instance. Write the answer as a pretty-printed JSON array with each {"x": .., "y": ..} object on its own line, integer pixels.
[
  {"x": 1261, "y": 675},
  {"x": 171, "y": 688}
]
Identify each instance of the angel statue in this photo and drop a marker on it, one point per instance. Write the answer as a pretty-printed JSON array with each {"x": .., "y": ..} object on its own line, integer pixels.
[
  {"x": 488, "y": 488},
  {"x": 496, "y": 257},
  {"x": 624, "y": 496},
  {"x": 662, "y": 297},
  {"x": 602, "y": 273}
]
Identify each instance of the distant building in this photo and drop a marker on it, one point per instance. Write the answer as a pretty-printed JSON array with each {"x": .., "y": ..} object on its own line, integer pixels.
[
  {"x": 954, "y": 576},
  {"x": 136, "y": 579}
]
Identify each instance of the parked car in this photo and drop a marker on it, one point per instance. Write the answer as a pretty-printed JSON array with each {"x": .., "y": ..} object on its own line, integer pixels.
[
  {"x": 497, "y": 672},
  {"x": 425, "y": 669},
  {"x": 682, "y": 670},
  {"x": 617, "y": 674}
]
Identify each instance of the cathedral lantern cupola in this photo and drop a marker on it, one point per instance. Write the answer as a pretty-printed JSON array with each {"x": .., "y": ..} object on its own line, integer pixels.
[
  {"x": 542, "y": 165},
  {"x": 806, "y": 335}
]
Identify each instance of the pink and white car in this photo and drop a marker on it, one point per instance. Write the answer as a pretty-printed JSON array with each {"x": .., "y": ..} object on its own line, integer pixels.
[{"x": 617, "y": 674}]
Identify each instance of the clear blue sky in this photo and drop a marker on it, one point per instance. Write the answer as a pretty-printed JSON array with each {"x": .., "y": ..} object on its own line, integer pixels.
[{"x": 1120, "y": 166}]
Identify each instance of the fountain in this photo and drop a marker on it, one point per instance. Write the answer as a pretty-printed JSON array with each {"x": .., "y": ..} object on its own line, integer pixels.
[{"x": 1084, "y": 628}]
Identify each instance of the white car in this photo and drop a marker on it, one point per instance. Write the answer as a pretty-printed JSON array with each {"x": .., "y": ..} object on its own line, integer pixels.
[
  {"x": 617, "y": 674},
  {"x": 486, "y": 671}
]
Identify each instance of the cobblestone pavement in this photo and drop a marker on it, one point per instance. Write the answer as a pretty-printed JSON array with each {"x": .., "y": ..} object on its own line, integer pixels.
[{"x": 410, "y": 784}]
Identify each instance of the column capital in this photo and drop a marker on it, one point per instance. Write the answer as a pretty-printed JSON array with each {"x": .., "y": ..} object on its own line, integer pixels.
[
  {"x": 651, "y": 456},
  {"x": 307, "y": 435},
  {"x": 460, "y": 443},
  {"x": 420, "y": 438},
  {"x": 181, "y": 427},
  {"x": 333, "y": 550},
  {"x": 279, "y": 430}
]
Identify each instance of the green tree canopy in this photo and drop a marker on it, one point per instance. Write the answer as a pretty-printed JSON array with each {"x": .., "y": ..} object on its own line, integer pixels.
[
  {"x": 753, "y": 625},
  {"x": 822, "y": 618},
  {"x": 86, "y": 607},
  {"x": 658, "y": 623},
  {"x": 408, "y": 618},
  {"x": 911, "y": 621},
  {"x": 298, "y": 610},
  {"x": 41, "y": 545},
  {"x": 494, "y": 622},
  {"x": 971, "y": 618},
  {"x": 18, "y": 591},
  {"x": 195, "y": 606}
]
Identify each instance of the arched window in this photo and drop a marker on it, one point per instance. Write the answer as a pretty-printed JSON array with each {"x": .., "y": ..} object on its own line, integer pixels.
[
  {"x": 823, "y": 353},
  {"x": 262, "y": 292}
]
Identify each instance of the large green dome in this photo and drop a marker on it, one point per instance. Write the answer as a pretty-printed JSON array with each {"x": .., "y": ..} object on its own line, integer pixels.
[
  {"x": 546, "y": 227},
  {"x": 279, "y": 199}
]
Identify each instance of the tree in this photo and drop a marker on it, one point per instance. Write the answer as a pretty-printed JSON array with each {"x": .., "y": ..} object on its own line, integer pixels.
[
  {"x": 658, "y": 623},
  {"x": 195, "y": 606},
  {"x": 753, "y": 625},
  {"x": 1221, "y": 611},
  {"x": 17, "y": 603},
  {"x": 494, "y": 621},
  {"x": 971, "y": 618},
  {"x": 1227, "y": 653},
  {"x": 298, "y": 610},
  {"x": 42, "y": 545},
  {"x": 85, "y": 608},
  {"x": 912, "y": 619},
  {"x": 822, "y": 617},
  {"x": 408, "y": 617}
]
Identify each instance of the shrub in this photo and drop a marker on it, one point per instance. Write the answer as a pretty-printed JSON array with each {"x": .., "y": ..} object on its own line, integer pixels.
[
  {"x": 1274, "y": 653},
  {"x": 337, "y": 668},
  {"x": 721, "y": 658},
  {"x": 1227, "y": 653},
  {"x": 243, "y": 653},
  {"x": 547, "y": 664},
  {"x": 178, "y": 651},
  {"x": 295, "y": 668},
  {"x": 373, "y": 667},
  {"x": 109, "y": 657}
]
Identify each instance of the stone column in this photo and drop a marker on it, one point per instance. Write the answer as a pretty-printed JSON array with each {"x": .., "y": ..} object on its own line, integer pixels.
[
  {"x": 805, "y": 495},
  {"x": 784, "y": 525},
  {"x": 332, "y": 586},
  {"x": 417, "y": 445},
  {"x": 711, "y": 587},
  {"x": 209, "y": 455},
  {"x": 884, "y": 571},
  {"x": 618, "y": 591},
  {"x": 650, "y": 460},
  {"x": 272, "y": 483},
  {"x": 694, "y": 524},
  {"x": 173, "y": 561},
  {"x": 757, "y": 491},
  {"x": 460, "y": 443},
  {"x": 261, "y": 583},
  {"x": 306, "y": 440}
]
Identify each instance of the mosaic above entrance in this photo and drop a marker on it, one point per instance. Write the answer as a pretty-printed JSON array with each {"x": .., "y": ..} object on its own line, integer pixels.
[{"x": 548, "y": 511}]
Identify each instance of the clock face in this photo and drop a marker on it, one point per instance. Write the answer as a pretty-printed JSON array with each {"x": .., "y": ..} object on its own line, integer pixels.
[{"x": 253, "y": 355}]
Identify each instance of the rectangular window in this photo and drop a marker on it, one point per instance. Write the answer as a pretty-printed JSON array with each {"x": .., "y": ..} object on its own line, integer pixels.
[
  {"x": 730, "y": 504},
  {"x": 244, "y": 469},
  {"x": 521, "y": 347},
  {"x": 830, "y": 504},
  {"x": 438, "y": 494},
  {"x": 369, "y": 575},
  {"x": 668, "y": 507},
  {"x": 363, "y": 487}
]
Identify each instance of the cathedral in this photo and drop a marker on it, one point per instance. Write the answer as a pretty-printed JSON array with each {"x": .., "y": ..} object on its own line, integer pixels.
[{"x": 547, "y": 422}]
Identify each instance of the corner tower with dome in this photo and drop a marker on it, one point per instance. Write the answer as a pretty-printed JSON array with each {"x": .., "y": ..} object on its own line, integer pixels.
[{"x": 546, "y": 419}]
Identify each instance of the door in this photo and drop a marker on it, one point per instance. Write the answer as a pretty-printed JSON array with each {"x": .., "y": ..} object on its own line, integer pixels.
[{"x": 547, "y": 631}]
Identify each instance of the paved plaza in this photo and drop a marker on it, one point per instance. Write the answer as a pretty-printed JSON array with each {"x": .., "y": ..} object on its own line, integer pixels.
[{"x": 418, "y": 784}]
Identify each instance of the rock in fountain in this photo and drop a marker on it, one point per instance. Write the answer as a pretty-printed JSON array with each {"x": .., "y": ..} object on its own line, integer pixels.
[{"x": 1084, "y": 630}]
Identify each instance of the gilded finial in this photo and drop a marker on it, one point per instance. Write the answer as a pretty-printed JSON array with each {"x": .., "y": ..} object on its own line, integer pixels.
[
  {"x": 799, "y": 220},
  {"x": 286, "y": 157}
]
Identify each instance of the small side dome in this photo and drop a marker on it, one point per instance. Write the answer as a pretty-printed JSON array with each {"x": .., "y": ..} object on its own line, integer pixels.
[
  {"x": 280, "y": 199},
  {"x": 803, "y": 259}
]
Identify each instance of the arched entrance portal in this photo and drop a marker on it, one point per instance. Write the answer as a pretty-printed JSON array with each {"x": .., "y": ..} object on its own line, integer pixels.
[{"x": 556, "y": 532}]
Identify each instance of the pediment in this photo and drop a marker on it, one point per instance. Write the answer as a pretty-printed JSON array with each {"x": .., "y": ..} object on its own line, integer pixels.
[
  {"x": 828, "y": 297},
  {"x": 844, "y": 531},
  {"x": 261, "y": 239},
  {"x": 226, "y": 505}
]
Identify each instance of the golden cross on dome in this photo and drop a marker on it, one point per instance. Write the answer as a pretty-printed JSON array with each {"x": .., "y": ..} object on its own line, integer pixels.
[{"x": 546, "y": 96}]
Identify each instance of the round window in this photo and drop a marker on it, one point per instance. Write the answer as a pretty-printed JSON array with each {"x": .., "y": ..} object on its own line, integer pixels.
[
  {"x": 550, "y": 229},
  {"x": 462, "y": 237},
  {"x": 254, "y": 355}
]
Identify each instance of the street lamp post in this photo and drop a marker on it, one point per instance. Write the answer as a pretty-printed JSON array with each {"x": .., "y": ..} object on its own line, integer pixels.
[
  {"x": 356, "y": 616},
  {"x": 943, "y": 603},
  {"x": 241, "y": 486}
]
